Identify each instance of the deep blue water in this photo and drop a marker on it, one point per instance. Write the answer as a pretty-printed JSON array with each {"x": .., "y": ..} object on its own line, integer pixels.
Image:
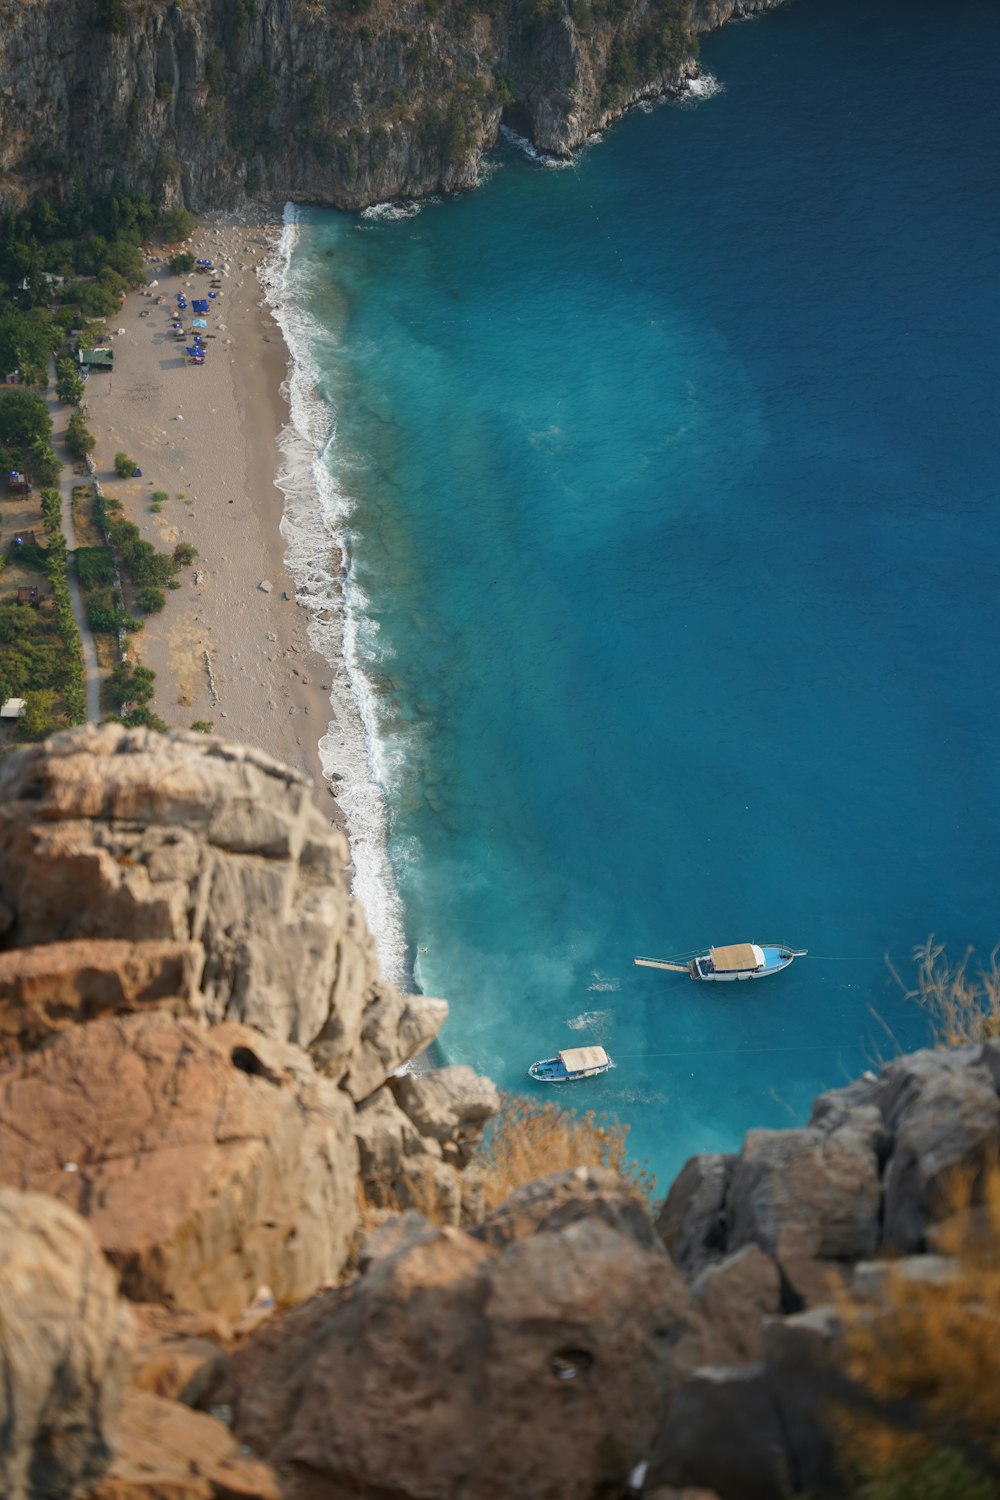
[{"x": 675, "y": 553}]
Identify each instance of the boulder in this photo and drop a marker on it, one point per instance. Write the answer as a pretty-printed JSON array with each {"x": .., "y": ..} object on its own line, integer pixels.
[
  {"x": 824, "y": 1180},
  {"x": 107, "y": 833},
  {"x": 735, "y": 1296},
  {"x": 948, "y": 1125},
  {"x": 394, "y": 1028},
  {"x": 168, "y": 1452},
  {"x": 448, "y": 1104},
  {"x": 53, "y": 985},
  {"x": 551, "y": 1203},
  {"x": 65, "y": 1341},
  {"x": 207, "y": 1163},
  {"x": 691, "y": 1222},
  {"x": 178, "y": 1355},
  {"x": 551, "y": 1357},
  {"x": 723, "y": 1431}
]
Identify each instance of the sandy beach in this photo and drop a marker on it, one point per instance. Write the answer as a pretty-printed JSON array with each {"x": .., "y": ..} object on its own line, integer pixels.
[{"x": 231, "y": 647}]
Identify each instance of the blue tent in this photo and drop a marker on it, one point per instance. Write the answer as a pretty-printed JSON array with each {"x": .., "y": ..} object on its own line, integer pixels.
[
  {"x": 196, "y": 351},
  {"x": 199, "y": 305}
]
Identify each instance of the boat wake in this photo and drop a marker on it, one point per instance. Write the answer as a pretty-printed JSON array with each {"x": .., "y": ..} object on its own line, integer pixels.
[{"x": 589, "y": 1020}]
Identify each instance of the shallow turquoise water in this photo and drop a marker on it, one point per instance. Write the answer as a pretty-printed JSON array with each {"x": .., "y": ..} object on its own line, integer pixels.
[{"x": 673, "y": 558}]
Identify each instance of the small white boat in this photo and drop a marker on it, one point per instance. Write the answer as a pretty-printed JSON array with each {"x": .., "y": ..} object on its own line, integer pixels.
[
  {"x": 737, "y": 961},
  {"x": 571, "y": 1065}
]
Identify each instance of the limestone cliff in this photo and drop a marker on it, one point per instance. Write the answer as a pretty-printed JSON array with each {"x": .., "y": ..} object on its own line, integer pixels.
[{"x": 346, "y": 102}]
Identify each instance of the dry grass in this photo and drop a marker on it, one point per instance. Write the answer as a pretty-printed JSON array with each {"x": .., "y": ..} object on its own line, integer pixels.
[
  {"x": 963, "y": 1002},
  {"x": 928, "y": 1354},
  {"x": 531, "y": 1139}
]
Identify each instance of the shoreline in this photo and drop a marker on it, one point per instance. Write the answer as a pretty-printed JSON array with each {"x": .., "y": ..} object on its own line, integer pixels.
[{"x": 209, "y": 439}]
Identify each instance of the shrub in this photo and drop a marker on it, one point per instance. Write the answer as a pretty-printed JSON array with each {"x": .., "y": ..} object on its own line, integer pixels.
[
  {"x": 530, "y": 1139},
  {"x": 925, "y": 1363},
  {"x": 962, "y": 1006},
  {"x": 184, "y": 554},
  {"x": 151, "y": 599},
  {"x": 203, "y": 726},
  {"x": 160, "y": 495},
  {"x": 131, "y": 684},
  {"x": 182, "y": 264},
  {"x": 39, "y": 719},
  {"x": 95, "y": 567},
  {"x": 125, "y": 467}
]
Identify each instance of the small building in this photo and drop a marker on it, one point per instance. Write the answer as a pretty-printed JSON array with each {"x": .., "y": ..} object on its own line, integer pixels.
[
  {"x": 24, "y": 538},
  {"x": 17, "y": 483},
  {"x": 30, "y": 596},
  {"x": 97, "y": 359},
  {"x": 13, "y": 709}
]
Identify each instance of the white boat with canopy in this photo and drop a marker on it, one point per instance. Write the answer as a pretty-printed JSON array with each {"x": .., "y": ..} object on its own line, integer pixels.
[
  {"x": 735, "y": 961},
  {"x": 571, "y": 1065}
]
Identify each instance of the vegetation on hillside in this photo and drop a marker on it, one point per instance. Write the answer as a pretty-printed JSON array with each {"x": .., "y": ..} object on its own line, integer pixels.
[{"x": 925, "y": 1359}]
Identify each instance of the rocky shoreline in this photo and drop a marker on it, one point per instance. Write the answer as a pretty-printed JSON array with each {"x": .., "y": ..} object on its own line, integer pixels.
[{"x": 243, "y": 1254}]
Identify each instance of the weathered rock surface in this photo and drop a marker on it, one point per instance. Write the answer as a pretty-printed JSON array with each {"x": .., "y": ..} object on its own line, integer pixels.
[
  {"x": 120, "y": 835},
  {"x": 65, "y": 1339},
  {"x": 692, "y": 1220},
  {"x": 213, "y": 102},
  {"x": 180, "y": 1356},
  {"x": 735, "y": 1296},
  {"x": 207, "y": 1164},
  {"x": 824, "y": 1181},
  {"x": 554, "y": 1202},
  {"x": 562, "y": 1344},
  {"x": 167, "y": 1452},
  {"x": 449, "y": 1105},
  {"x": 948, "y": 1118},
  {"x": 47, "y": 988}
]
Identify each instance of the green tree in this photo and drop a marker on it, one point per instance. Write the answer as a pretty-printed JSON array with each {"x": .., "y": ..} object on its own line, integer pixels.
[
  {"x": 182, "y": 264},
  {"x": 177, "y": 224},
  {"x": 79, "y": 439},
  {"x": 69, "y": 383},
  {"x": 24, "y": 418}
]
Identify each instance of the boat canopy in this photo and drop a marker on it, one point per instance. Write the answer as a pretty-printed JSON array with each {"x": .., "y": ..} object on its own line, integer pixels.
[
  {"x": 577, "y": 1059},
  {"x": 737, "y": 956}
]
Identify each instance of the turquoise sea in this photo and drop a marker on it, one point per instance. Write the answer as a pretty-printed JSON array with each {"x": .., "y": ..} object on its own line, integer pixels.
[{"x": 668, "y": 488}]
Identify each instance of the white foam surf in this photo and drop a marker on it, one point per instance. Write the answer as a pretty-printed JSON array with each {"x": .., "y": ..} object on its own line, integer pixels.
[
  {"x": 522, "y": 144},
  {"x": 697, "y": 90},
  {"x": 315, "y": 529},
  {"x": 391, "y": 212}
]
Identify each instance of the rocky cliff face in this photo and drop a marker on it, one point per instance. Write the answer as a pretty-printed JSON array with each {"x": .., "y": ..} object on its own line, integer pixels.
[
  {"x": 349, "y": 103},
  {"x": 207, "y": 1285}
]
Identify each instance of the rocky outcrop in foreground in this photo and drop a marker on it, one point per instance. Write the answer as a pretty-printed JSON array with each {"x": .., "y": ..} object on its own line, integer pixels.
[
  {"x": 241, "y": 1254},
  {"x": 214, "y": 101}
]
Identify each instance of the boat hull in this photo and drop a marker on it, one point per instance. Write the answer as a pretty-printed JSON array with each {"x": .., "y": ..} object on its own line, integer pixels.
[
  {"x": 551, "y": 1070},
  {"x": 776, "y": 958}
]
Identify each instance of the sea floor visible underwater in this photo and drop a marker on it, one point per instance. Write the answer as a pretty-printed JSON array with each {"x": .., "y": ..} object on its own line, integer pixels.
[{"x": 670, "y": 493}]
